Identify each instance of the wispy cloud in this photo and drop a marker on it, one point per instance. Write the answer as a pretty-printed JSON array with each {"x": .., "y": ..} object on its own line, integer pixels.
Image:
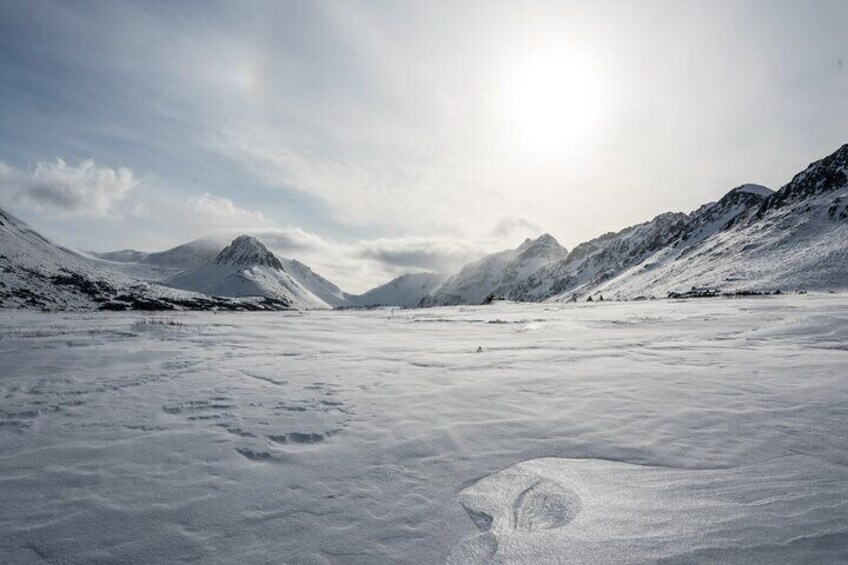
[{"x": 66, "y": 190}]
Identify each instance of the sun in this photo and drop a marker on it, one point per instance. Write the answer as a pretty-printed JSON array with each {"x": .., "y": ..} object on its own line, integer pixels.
[{"x": 553, "y": 102}]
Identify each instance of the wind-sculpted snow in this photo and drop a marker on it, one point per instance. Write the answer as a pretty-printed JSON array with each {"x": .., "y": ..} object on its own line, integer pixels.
[
  {"x": 644, "y": 432},
  {"x": 553, "y": 510}
]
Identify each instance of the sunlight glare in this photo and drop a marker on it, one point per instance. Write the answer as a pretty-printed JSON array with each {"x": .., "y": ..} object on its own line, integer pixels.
[{"x": 554, "y": 103}]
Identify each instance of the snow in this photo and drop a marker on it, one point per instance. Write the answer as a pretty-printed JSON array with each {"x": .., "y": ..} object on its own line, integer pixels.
[
  {"x": 802, "y": 245},
  {"x": 710, "y": 430}
]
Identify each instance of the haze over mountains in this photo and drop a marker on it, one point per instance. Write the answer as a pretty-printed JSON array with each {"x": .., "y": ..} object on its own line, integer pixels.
[{"x": 751, "y": 239}]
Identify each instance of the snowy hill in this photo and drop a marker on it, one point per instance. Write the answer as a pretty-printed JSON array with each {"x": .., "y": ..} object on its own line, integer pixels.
[
  {"x": 499, "y": 273},
  {"x": 247, "y": 268},
  {"x": 405, "y": 290},
  {"x": 37, "y": 273}
]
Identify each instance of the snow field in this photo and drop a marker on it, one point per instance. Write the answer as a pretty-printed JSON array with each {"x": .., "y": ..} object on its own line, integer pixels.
[{"x": 658, "y": 431}]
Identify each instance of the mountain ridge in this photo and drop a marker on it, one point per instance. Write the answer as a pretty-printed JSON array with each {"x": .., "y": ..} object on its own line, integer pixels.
[{"x": 751, "y": 239}]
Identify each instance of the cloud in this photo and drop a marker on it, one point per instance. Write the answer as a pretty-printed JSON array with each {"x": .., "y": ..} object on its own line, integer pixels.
[
  {"x": 515, "y": 227},
  {"x": 296, "y": 240},
  {"x": 375, "y": 190},
  {"x": 222, "y": 213},
  {"x": 434, "y": 254},
  {"x": 66, "y": 190}
]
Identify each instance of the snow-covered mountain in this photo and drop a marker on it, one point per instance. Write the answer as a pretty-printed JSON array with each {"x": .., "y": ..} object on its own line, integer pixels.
[
  {"x": 793, "y": 239},
  {"x": 247, "y": 268},
  {"x": 181, "y": 257},
  {"x": 499, "y": 273},
  {"x": 325, "y": 290},
  {"x": 163, "y": 266},
  {"x": 405, "y": 290},
  {"x": 37, "y": 273},
  {"x": 752, "y": 239},
  {"x": 599, "y": 259}
]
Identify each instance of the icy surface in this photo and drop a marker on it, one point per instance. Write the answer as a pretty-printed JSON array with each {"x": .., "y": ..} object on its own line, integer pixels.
[{"x": 711, "y": 430}]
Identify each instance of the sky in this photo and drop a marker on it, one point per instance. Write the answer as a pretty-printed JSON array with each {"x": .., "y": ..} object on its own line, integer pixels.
[{"x": 368, "y": 139}]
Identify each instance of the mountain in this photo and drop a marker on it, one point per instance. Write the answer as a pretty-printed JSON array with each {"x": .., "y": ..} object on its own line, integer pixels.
[
  {"x": 792, "y": 239},
  {"x": 122, "y": 256},
  {"x": 181, "y": 257},
  {"x": 320, "y": 287},
  {"x": 752, "y": 239},
  {"x": 587, "y": 268},
  {"x": 499, "y": 273},
  {"x": 165, "y": 265},
  {"x": 37, "y": 273},
  {"x": 247, "y": 268},
  {"x": 406, "y": 291},
  {"x": 599, "y": 259},
  {"x": 161, "y": 265}
]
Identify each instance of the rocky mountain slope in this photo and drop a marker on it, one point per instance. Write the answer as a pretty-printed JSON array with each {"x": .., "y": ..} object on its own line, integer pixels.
[{"x": 793, "y": 239}]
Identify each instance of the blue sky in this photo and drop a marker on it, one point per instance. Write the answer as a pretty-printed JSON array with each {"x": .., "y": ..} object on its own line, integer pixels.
[{"x": 372, "y": 138}]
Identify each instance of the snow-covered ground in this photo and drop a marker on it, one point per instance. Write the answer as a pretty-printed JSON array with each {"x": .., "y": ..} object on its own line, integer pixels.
[{"x": 711, "y": 430}]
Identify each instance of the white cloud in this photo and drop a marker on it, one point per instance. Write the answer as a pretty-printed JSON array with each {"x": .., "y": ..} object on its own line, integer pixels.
[
  {"x": 223, "y": 213},
  {"x": 420, "y": 253},
  {"x": 66, "y": 190}
]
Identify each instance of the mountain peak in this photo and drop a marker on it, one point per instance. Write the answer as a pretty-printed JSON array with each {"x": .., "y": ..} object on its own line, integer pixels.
[
  {"x": 823, "y": 176},
  {"x": 544, "y": 240},
  {"x": 755, "y": 189},
  {"x": 247, "y": 251}
]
